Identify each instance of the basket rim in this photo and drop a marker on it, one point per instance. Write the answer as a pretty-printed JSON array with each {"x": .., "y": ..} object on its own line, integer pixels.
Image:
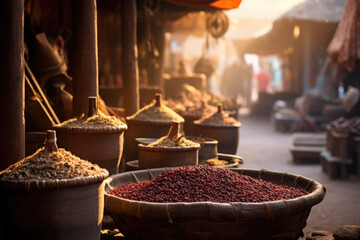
[
  {"x": 198, "y": 123},
  {"x": 233, "y": 163},
  {"x": 43, "y": 184},
  {"x": 153, "y": 121},
  {"x": 144, "y": 147},
  {"x": 207, "y": 140},
  {"x": 84, "y": 130},
  {"x": 243, "y": 210}
]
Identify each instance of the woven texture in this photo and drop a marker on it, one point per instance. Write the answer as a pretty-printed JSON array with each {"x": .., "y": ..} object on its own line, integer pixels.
[
  {"x": 39, "y": 185},
  {"x": 280, "y": 220},
  {"x": 91, "y": 129}
]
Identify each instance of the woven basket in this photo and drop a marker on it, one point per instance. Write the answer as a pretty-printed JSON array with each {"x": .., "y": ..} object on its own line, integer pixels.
[
  {"x": 176, "y": 156},
  {"x": 146, "y": 128},
  {"x": 63, "y": 209},
  {"x": 150, "y": 157},
  {"x": 280, "y": 220},
  {"x": 102, "y": 145},
  {"x": 228, "y": 136},
  {"x": 143, "y": 129}
]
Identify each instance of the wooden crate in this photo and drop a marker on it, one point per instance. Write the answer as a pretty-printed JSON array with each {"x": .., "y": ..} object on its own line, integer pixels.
[
  {"x": 309, "y": 139},
  {"x": 334, "y": 166},
  {"x": 306, "y": 154},
  {"x": 285, "y": 123}
]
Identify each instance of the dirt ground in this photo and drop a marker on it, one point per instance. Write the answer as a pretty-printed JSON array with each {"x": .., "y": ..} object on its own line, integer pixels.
[{"x": 262, "y": 147}]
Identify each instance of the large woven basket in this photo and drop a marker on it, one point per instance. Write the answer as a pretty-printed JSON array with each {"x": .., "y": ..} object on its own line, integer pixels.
[
  {"x": 280, "y": 220},
  {"x": 70, "y": 209},
  {"x": 102, "y": 145}
]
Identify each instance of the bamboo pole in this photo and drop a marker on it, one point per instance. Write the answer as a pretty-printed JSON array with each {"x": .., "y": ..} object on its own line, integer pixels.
[
  {"x": 12, "y": 122},
  {"x": 129, "y": 57},
  {"x": 85, "y": 55}
]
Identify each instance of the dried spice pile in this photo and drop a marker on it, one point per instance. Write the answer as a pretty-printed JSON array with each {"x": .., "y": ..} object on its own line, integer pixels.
[
  {"x": 42, "y": 165},
  {"x": 199, "y": 111},
  {"x": 154, "y": 112},
  {"x": 205, "y": 183},
  {"x": 165, "y": 142},
  {"x": 342, "y": 125},
  {"x": 215, "y": 162},
  {"x": 98, "y": 120},
  {"x": 220, "y": 118}
]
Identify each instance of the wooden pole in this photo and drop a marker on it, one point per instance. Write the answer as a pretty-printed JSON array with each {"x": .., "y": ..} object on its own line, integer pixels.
[
  {"x": 12, "y": 121},
  {"x": 85, "y": 55},
  {"x": 159, "y": 40},
  {"x": 129, "y": 57}
]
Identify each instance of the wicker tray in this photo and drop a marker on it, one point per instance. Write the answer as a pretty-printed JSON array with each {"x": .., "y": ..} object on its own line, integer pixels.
[{"x": 280, "y": 220}]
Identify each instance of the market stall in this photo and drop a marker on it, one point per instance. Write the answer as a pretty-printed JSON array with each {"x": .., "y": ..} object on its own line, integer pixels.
[{"x": 59, "y": 191}]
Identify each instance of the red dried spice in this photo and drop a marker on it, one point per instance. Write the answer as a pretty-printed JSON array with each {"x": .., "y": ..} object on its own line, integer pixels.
[{"x": 205, "y": 183}]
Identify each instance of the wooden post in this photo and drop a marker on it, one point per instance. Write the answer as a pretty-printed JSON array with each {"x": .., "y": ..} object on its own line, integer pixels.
[
  {"x": 85, "y": 55},
  {"x": 158, "y": 27},
  {"x": 129, "y": 57},
  {"x": 12, "y": 121}
]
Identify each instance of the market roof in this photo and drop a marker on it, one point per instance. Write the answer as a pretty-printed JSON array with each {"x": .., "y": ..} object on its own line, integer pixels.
[
  {"x": 280, "y": 37},
  {"x": 316, "y": 10}
]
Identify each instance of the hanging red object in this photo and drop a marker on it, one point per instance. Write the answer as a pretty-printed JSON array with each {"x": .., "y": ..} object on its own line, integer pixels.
[
  {"x": 226, "y": 4},
  {"x": 221, "y": 4}
]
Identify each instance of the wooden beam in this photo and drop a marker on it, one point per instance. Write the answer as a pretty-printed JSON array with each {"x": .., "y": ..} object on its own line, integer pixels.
[
  {"x": 12, "y": 121},
  {"x": 85, "y": 55},
  {"x": 129, "y": 57},
  {"x": 159, "y": 39}
]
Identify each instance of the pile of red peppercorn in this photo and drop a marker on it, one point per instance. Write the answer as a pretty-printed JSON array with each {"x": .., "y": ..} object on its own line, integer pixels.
[{"x": 205, "y": 183}]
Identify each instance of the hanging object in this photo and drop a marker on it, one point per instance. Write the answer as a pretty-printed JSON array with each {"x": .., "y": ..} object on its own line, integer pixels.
[
  {"x": 217, "y": 23},
  {"x": 205, "y": 65},
  {"x": 220, "y": 4},
  {"x": 344, "y": 48}
]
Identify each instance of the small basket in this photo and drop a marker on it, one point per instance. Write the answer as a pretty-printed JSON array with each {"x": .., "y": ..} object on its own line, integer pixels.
[
  {"x": 227, "y": 135},
  {"x": 154, "y": 157},
  {"x": 279, "y": 220},
  {"x": 150, "y": 128}
]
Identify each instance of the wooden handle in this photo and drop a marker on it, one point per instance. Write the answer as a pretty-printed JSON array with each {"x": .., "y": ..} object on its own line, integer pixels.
[
  {"x": 93, "y": 109},
  {"x": 203, "y": 104},
  {"x": 220, "y": 108},
  {"x": 174, "y": 131},
  {"x": 50, "y": 142},
  {"x": 158, "y": 99}
]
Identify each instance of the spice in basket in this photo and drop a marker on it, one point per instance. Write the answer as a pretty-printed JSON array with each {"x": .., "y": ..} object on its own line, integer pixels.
[
  {"x": 205, "y": 183},
  {"x": 200, "y": 111},
  {"x": 97, "y": 120},
  {"x": 173, "y": 139},
  {"x": 50, "y": 163},
  {"x": 219, "y": 118},
  {"x": 215, "y": 162},
  {"x": 156, "y": 111}
]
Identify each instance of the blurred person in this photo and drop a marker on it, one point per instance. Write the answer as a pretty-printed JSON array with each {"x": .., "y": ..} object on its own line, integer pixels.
[
  {"x": 351, "y": 102},
  {"x": 306, "y": 122},
  {"x": 263, "y": 78},
  {"x": 236, "y": 81}
]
